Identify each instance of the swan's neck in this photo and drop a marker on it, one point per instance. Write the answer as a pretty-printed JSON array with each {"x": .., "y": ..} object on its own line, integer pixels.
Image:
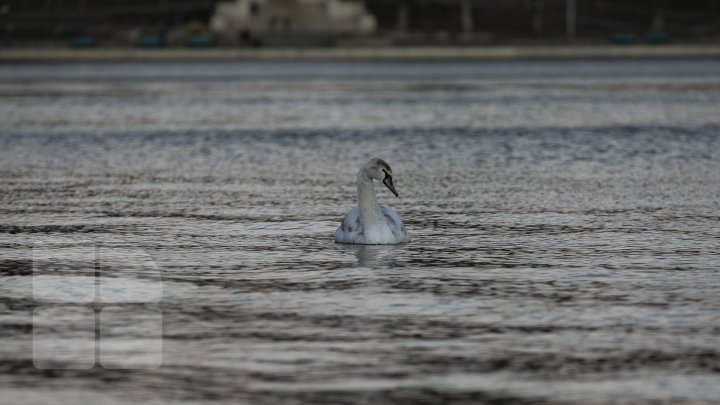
[{"x": 367, "y": 201}]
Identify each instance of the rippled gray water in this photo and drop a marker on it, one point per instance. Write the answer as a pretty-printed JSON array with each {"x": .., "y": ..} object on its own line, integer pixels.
[{"x": 564, "y": 218}]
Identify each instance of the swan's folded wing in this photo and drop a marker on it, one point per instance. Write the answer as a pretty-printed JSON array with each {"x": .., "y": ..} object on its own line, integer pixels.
[
  {"x": 395, "y": 223},
  {"x": 351, "y": 229}
]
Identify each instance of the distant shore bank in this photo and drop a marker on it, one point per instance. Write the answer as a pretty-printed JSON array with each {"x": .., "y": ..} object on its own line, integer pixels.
[{"x": 364, "y": 53}]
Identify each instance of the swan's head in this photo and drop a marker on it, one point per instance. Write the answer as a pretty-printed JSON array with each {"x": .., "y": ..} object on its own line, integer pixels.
[{"x": 379, "y": 170}]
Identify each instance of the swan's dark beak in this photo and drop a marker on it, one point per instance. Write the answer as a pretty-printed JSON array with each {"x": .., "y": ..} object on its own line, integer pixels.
[{"x": 388, "y": 182}]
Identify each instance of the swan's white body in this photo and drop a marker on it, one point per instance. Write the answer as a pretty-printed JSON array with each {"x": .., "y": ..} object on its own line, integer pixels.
[{"x": 371, "y": 223}]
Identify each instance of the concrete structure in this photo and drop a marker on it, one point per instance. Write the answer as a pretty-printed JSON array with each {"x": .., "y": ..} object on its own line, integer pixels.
[{"x": 290, "y": 22}]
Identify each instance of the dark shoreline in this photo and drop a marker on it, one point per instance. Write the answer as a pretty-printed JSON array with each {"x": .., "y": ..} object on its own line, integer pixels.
[{"x": 365, "y": 53}]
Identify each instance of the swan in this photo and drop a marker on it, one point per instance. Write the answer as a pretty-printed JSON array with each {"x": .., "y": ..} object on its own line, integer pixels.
[{"x": 371, "y": 223}]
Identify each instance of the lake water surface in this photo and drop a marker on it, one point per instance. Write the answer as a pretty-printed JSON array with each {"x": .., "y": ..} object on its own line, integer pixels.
[{"x": 166, "y": 233}]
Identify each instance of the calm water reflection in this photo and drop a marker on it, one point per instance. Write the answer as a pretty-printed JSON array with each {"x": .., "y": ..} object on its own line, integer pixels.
[{"x": 374, "y": 256}]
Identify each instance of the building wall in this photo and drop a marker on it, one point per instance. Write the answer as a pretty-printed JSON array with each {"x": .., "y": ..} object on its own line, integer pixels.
[{"x": 338, "y": 16}]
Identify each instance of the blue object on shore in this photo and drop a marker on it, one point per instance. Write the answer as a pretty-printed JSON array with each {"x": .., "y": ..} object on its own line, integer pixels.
[
  {"x": 657, "y": 38},
  {"x": 624, "y": 38},
  {"x": 199, "y": 41},
  {"x": 83, "y": 41},
  {"x": 151, "y": 41}
]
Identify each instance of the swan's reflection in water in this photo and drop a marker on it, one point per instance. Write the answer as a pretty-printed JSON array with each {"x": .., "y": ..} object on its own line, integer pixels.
[{"x": 374, "y": 256}]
